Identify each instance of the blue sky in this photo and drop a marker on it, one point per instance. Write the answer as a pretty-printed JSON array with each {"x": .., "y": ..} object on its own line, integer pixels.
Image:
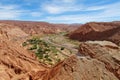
[{"x": 60, "y": 11}]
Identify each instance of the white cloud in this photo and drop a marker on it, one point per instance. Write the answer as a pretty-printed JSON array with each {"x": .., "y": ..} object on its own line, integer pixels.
[
  {"x": 9, "y": 11},
  {"x": 92, "y": 8},
  {"x": 63, "y": 1},
  {"x": 9, "y": 14},
  {"x": 16, "y": 12},
  {"x": 61, "y": 6},
  {"x": 107, "y": 13},
  {"x": 68, "y": 1},
  {"x": 36, "y": 14},
  {"x": 54, "y": 9}
]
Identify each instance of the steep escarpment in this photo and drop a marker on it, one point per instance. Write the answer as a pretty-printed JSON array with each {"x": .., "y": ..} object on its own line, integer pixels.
[{"x": 97, "y": 31}]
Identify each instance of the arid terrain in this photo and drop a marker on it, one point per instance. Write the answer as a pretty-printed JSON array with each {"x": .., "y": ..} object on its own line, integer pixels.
[
  {"x": 41, "y": 27},
  {"x": 46, "y": 51}
]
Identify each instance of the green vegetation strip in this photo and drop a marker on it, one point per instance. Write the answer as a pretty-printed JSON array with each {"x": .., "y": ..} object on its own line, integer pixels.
[{"x": 44, "y": 51}]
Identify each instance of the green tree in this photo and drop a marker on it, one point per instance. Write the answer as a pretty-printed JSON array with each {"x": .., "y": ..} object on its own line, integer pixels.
[{"x": 24, "y": 43}]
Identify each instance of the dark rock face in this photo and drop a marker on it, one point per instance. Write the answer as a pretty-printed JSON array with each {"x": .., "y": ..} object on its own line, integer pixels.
[{"x": 98, "y": 31}]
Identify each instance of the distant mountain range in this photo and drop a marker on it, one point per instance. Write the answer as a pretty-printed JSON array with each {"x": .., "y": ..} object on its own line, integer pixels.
[{"x": 32, "y": 27}]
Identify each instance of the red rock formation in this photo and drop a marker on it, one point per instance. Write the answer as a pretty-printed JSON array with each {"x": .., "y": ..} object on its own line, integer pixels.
[{"x": 97, "y": 31}]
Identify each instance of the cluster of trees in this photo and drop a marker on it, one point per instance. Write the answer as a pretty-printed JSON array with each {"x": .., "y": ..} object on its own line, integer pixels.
[{"x": 41, "y": 48}]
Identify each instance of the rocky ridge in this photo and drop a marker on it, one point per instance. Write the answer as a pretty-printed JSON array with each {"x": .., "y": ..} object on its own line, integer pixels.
[{"x": 97, "y": 31}]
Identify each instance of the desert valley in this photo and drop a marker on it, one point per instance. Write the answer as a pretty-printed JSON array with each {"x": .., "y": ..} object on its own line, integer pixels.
[{"x": 45, "y": 51}]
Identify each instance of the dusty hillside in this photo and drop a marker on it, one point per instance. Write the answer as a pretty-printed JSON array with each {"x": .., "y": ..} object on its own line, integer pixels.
[
  {"x": 40, "y": 27},
  {"x": 98, "y": 31}
]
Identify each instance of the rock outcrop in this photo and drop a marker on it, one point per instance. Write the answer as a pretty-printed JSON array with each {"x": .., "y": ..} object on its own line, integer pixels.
[
  {"x": 98, "y": 31},
  {"x": 108, "y": 55},
  {"x": 81, "y": 68}
]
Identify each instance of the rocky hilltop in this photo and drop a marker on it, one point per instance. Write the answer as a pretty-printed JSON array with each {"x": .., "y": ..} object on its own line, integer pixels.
[
  {"x": 98, "y": 31},
  {"x": 95, "y": 60}
]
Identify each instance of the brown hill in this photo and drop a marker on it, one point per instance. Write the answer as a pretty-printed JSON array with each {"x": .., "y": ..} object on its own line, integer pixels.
[
  {"x": 98, "y": 31},
  {"x": 11, "y": 32},
  {"x": 31, "y": 27}
]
